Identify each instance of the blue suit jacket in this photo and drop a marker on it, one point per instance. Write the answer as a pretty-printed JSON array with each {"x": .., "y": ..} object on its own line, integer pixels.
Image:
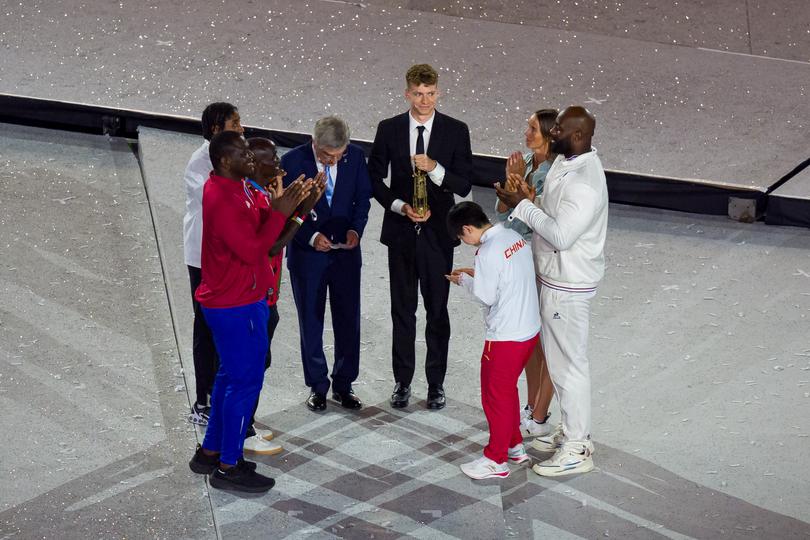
[{"x": 348, "y": 211}]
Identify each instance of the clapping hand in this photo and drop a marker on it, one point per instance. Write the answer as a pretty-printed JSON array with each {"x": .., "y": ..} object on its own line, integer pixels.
[
  {"x": 275, "y": 188},
  {"x": 292, "y": 196},
  {"x": 515, "y": 191},
  {"x": 515, "y": 164},
  {"x": 318, "y": 187}
]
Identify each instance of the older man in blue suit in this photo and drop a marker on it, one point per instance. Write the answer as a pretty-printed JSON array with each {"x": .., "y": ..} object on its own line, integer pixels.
[{"x": 325, "y": 256}]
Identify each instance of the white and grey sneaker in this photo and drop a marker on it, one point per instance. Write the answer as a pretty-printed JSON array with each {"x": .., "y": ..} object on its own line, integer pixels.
[
  {"x": 199, "y": 414},
  {"x": 535, "y": 428},
  {"x": 517, "y": 454},
  {"x": 526, "y": 412},
  {"x": 259, "y": 445},
  {"x": 484, "y": 467},
  {"x": 573, "y": 457},
  {"x": 550, "y": 442},
  {"x": 265, "y": 434}
]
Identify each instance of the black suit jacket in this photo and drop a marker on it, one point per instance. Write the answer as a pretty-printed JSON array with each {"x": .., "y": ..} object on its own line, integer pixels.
[{"x": 449, "y": 145}]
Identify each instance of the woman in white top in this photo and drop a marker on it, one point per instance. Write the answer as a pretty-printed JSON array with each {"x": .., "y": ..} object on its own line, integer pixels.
[{"x": 532, "y": 168}]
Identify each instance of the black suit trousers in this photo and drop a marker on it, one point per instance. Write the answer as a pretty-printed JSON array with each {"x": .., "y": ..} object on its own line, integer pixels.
[
  {"x": 413, "y": 270},
  {"x": 206, "y": 361}
]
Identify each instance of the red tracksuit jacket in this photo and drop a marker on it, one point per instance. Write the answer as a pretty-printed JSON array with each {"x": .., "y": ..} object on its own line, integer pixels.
[{"x": 238, "y": 231}]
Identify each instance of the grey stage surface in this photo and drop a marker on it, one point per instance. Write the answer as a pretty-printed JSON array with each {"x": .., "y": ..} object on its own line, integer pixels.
[
  {"x": 700, "y": 363},
  {"x": 677, "y": 87}
]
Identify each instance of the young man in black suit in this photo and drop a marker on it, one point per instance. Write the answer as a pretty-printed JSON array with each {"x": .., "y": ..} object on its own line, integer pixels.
[{"x": 420, "y": 250}]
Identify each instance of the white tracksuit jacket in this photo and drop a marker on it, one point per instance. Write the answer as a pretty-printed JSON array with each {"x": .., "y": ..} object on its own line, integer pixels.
[
  {"x": 570, "y": 224},
  {"x": 504, "y": 282}
]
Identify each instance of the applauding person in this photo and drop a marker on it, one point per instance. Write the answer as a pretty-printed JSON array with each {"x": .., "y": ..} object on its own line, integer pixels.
[
  {"x": 238, "y": 232},
  {"x": 267, "y": 183},
  {"x": 532, "y": 168},
  {"x": 570, "y": 227}
]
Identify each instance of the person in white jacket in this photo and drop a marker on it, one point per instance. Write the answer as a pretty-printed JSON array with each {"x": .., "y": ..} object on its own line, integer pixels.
[
  {"x": 503, "y": 281},
  {"x": 569, "y": 221},
  {"x": 216, "y": 117}
]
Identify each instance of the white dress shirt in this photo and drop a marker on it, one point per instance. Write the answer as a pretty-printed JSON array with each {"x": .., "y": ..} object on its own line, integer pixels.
[
  {"x": 197, "y": 172},
  {"x": 333, "y": 172},
  {"x": 436, "y": 175}
]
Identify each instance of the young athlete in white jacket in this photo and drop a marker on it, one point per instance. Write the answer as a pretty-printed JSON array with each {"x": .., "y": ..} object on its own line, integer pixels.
[
  {"x": 569, "y": 227},
  {"x": 503, "y": 281}
]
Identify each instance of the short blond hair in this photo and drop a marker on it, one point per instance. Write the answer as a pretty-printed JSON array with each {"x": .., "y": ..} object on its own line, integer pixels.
[{"x": 421, "y": 74}]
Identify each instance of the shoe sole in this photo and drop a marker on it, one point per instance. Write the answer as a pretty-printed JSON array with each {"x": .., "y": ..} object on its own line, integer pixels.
[
  {"x": 399, "y": 404},
  {"x": 316, "y": 409},
  {"x": 486, "y": 476},
  {"x": 436, "y": 407},
  {"x": 529, "y": 433},
  {"x": 272, "y": 452},
  {"x": 230, "y": 486},
  {"x": 522, "y": 459},
  {"x": 557, "y": 471},
  {"x": 201, "y": 469},
  {"x": 350, "y": 408},
  {"x": 541, "y": 447}
]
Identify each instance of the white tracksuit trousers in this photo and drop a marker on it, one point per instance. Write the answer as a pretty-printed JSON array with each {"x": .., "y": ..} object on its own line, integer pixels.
[{"x": 565, "y": 322}]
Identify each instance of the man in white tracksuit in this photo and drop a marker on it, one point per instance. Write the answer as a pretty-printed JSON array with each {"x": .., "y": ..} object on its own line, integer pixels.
[{"x": 569, "y": 227}]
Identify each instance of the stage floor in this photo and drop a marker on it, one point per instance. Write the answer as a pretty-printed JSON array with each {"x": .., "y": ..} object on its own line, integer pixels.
[
  {"x": 700, "y": 364},
  {"x": 682, "y": 90}
]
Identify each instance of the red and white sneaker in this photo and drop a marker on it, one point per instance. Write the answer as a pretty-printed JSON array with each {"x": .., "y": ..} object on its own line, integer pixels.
[
  {"x": 517, "y": 454},
  {"x": 484, "y": 467}
]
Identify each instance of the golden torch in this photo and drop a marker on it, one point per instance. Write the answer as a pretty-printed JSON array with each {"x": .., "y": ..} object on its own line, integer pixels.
[{"x": 420, "y": 199}]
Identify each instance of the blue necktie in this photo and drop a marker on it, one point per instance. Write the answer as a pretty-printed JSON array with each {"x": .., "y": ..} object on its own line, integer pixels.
[{"x": 330, "y": 184}]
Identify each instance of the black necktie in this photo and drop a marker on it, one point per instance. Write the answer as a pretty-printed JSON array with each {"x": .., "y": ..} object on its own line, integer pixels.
[{"x": 420, "y": 142}]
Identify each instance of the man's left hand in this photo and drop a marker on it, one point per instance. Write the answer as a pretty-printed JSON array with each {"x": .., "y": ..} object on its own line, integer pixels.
[
  {"x": 512, "y": 198},
  {"x": 352, "y": 240},
  {"x": 424, "y": 163}
]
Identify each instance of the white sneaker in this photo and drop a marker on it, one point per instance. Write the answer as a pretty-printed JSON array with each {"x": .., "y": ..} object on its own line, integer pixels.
[
  {"x": 517, "y": 454},
  {"x": 484, "y": 467},
  {"x": 550, "y": 442},
  {"x": 533, "y": 428},
  {"x": 526, "y": 412},
  {"x": 571, "y": 458},
  {"x": 263, "y": 447},
  {"x": 265, "y": 434},
  {"x": 199, "y": 414}
]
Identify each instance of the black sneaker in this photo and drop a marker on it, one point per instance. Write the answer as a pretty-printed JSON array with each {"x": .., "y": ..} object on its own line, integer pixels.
[
  {"x": 241, "y": 478},
  {"x": 202, "y": 463}
]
